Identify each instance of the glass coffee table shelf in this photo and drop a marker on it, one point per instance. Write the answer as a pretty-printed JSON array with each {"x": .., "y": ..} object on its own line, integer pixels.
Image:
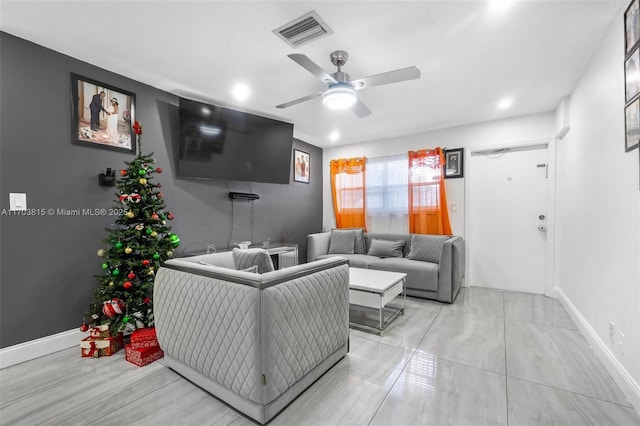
[{"x": 372, "y": 294}]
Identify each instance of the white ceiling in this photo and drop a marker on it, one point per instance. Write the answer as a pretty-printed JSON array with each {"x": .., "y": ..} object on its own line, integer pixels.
[{"x": 470, "y": 54}]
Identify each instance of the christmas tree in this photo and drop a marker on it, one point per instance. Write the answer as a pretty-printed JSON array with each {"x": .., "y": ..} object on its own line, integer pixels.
[{"x": 136, "y": 246}]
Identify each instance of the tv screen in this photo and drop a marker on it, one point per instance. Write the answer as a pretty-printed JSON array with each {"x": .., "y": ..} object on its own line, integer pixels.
[{"x": 221, "y": 143}]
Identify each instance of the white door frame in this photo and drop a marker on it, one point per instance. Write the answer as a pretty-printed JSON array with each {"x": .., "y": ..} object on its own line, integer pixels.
[{"x": 549, "y": 273}]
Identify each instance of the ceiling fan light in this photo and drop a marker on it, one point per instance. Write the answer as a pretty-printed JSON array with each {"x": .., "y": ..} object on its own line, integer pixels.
[{"x": 339, "y": 96}]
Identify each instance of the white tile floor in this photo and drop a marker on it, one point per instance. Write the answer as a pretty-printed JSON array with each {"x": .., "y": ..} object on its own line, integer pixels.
[{"x": 492, "y": 357}]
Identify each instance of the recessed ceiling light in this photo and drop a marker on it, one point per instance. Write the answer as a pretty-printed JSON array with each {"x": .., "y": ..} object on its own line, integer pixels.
[
  {"x": 505, "y": 103},
  {"x": 334, "y": 136},
  {"x": 241, "y": 92},
  {"x": 499, "y": 6}
]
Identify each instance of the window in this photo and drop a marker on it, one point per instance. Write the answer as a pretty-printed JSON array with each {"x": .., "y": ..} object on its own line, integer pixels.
[{"x": 387, "y": 194}]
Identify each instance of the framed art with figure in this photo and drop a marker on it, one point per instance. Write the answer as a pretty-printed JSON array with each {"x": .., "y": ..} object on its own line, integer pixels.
[
  {"x": 631, "y": 26},
  {"x": 632, "y": 125},
  {"x": 102, "y": 115},
  {"x": 454, "y": 167},
  {"x": 632, "y": 75},
  {"x": 301, "y": 166}
]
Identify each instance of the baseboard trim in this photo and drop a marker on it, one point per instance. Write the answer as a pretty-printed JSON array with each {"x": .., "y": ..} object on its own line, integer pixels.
[
  {"x": 32, "y": 349},
  {"x": 620, "y": 375}
]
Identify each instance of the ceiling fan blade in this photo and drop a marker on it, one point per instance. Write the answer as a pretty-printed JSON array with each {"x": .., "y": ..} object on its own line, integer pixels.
[
  {"x": 396, "y": 76},
  {"x": 313, "y": 68},
  {"x": 299, "y": 100},
  {"x": 360, "y": 109}
]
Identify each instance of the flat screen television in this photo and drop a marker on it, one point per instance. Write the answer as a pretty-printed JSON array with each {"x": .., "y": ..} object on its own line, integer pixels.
[{"x": 225, "y": 144}]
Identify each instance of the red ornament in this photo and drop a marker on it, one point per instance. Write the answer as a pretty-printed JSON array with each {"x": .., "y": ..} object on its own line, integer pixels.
[
  {"x": 155, "y": 216},
  {"x": 146, "y": 300},
  {"x": 159, "y": 170},
  {"x": 123, "y": 172},
  {"x": 160, "y": 195},
  {"x": 170, "y": 216},
  {"x": 137, "y": 128},
  {"x": 159, "y": 185},
  {"x": 124, "y": 198},
  {"x": 84, "y": 328},
  {"x": 146, "y": 262},
  {"x": 127, "y": 285},
  {"x": 131, "y": 275},
  {"x": 113, "y": 307}
]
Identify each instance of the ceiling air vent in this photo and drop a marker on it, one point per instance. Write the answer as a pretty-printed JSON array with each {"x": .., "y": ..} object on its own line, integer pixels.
[{"x": 303, "y": 30}]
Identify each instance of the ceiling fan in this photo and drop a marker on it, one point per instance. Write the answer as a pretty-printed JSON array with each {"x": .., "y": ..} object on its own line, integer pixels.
[{"x": 341, "y": 91}]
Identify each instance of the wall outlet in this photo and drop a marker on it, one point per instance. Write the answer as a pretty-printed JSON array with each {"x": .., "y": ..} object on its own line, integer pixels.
[
  {"x": 612, "y": 333},
  {"x": 621, "y": 342},
  {"x": 17, "y": 201}
]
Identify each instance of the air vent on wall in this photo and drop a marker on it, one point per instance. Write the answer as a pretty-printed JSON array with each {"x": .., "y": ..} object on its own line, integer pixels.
[{"x": 303, "y": 30}]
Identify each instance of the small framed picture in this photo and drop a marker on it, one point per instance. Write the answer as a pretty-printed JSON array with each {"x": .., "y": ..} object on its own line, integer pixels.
[
  {"x": 301, "y": 166},
  {"x": 632, "y": 75},
  {"x": 102, "y": 115},
  {"x": 632, "y": 125},
  {"x": 454, "y": 163},
  {"x": 631, "y": 26}
]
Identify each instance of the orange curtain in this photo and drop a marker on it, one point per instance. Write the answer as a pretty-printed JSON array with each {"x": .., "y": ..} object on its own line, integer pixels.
[
  {"x": 428, "y": 213},
  {"x": 347, "y": 189}
]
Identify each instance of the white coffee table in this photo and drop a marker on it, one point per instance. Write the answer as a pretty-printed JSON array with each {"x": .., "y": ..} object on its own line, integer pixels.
[{"x": 369, "y": 290}]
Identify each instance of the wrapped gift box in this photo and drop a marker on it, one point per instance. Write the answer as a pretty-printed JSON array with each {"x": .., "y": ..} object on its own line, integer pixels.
[
  {"x": 143, "y": 356},
  {"x": 144, "y": 338},
  {"x": 99, "y": 332},
  {"x": 95, "y": 348}
]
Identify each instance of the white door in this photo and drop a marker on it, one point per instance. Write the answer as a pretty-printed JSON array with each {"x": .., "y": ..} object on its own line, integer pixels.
[{"x": 507, "y": 197}]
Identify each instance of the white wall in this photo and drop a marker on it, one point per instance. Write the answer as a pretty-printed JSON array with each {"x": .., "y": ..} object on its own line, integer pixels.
[
  {"x": 488, "y": 134},
  {"x": 598, "y": 205}
]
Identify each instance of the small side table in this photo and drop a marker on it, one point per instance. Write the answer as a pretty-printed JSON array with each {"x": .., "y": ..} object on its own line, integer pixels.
[{"x": 283, "y": 255}]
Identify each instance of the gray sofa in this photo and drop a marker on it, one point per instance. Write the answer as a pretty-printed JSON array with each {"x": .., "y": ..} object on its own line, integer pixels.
[
  {"x": 256, "y": 341},
  {"x": 439, "y": 279}
]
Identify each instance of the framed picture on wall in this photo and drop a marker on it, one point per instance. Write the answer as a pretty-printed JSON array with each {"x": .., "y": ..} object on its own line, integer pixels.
[
  {"x": 632, "y": 75},
  {"x": 632, "y": 125},
  {"x": 631, "y": 26},
  {"x": 454, "y": 163},
  {"x": 102, "y": 115},
  {"x": 301, "y": 166}
]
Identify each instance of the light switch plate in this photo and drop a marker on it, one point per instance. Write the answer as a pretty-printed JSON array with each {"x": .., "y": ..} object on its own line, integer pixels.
[
  {"x": 17, "y": 201},
  {"x": 454, "y": 207}
]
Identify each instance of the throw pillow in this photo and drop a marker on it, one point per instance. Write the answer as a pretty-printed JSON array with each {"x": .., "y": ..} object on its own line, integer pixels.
[
  {"x": 386, "y": 248},
  {"x": 426, "y": 247},
  {"x": 342, "y": 241},
  {"x": 359, "y": 247},
  {"x": 246, "y": 258}
]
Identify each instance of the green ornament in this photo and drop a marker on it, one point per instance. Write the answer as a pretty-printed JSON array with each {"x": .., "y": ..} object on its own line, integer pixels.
[
  {"x": 156, "y": 256},
  {"x": 115, "y": 272},
  {"x": 125, "y": 320},
  {"x": 142, "y": 172},
  {"x": 149, "y": 231},
  {"x": 163, "y": 216},
  {"x": 175, "y": 240},
  {"x": 105, "y": 266},
  {"x": 118, "y": 245}
]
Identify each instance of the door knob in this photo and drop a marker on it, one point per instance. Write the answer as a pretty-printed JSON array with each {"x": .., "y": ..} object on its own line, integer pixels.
[
  {"x": 542, "y": 228},
  {"x": 542, "y": 217}
]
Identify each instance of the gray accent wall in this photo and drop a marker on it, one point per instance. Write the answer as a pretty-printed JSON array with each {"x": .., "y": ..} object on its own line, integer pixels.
[{"x": 48, "y": 263}]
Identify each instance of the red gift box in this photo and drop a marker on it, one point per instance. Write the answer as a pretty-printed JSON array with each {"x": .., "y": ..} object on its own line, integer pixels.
[
  {"x": 144, "y": 338},
  {"x": 99, "y": 331},
  {"x": 142, "y": 357},
  {"x": 94, "y": 348}
]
